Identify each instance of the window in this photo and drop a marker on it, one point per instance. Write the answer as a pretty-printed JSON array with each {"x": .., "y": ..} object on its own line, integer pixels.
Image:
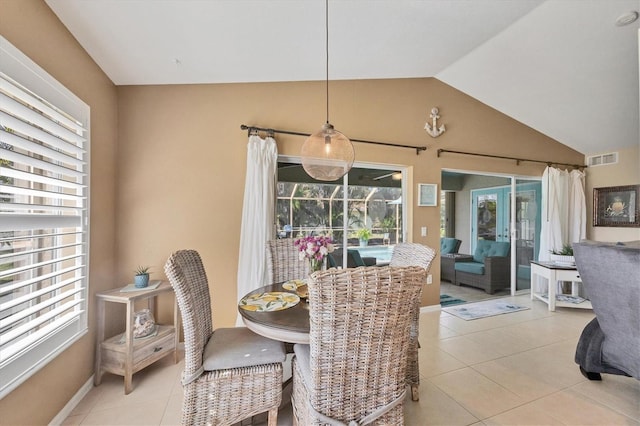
[
  {"x": 374, "y": 202},
  {"x": 44, "y": 200}
]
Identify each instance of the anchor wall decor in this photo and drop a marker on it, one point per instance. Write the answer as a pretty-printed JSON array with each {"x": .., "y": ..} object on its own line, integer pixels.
[{"x": 433, "y": 130}]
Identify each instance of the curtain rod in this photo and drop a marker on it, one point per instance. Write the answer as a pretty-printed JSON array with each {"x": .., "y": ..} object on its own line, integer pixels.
[
  {"x": 518, "y": 160},
  {"x": 289, "y": 132}
]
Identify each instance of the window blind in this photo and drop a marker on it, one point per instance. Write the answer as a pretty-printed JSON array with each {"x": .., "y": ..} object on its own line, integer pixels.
[{"x": 44, "y": 199}]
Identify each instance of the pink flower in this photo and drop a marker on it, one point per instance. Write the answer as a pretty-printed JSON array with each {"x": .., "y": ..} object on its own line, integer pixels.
[{"x": 314, "y": 247}]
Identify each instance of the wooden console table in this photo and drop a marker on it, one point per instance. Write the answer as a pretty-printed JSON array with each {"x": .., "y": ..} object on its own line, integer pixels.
[
  {"x": 127, "y": 356},
  {"x": 553, "y": 273}
]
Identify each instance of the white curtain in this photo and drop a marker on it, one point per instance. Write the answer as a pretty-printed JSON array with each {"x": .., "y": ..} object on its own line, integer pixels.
[
  {"x": 257, "y": 213},
  {"x": 577, "y": 207},
  {"x": 564, "y": 211}
]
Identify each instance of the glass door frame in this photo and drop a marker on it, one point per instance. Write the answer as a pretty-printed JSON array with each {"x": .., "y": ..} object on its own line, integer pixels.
[
  {"x": 406, "y": 195},
  {"x": 512, "y": 188}
]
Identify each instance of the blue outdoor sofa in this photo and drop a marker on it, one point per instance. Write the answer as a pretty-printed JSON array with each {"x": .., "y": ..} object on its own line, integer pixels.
[{"x": 489, "y": 269}]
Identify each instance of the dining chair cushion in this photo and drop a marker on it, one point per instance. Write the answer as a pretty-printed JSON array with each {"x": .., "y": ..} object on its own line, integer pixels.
[{"x": 238, "y": 347}]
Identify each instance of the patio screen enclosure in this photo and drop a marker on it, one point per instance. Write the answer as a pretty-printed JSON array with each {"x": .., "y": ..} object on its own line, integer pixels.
[{"x": 374, "y": 202}]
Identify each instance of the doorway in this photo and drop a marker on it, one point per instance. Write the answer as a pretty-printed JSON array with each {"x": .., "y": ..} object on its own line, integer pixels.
[{"x": 477, "y": 206}]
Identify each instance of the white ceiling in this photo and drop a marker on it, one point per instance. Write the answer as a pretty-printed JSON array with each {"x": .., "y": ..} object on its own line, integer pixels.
[{"x": 561, "y": 67}]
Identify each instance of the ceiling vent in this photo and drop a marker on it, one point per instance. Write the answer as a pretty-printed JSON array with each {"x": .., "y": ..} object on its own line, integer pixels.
[{"x": 602, "y": 159}]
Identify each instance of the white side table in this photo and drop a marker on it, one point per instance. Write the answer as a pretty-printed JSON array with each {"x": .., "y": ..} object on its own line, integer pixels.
[{"x": 553, "y": 273}]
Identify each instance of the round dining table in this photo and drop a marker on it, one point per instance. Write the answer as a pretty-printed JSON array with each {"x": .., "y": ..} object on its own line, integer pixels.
[{"x": 290, "y": 325}]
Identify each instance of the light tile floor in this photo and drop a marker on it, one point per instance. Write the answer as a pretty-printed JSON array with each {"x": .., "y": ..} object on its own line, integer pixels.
[
  {"x": 470, "y": 294},
  {"x": 512, "y": 369}
]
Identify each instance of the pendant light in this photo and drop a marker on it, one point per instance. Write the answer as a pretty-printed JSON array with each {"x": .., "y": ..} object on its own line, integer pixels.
[{"x": 327, "y": 155}]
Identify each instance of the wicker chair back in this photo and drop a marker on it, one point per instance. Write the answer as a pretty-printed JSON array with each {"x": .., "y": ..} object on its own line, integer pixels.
[
  {"x": 188, "y": 278},
  {"x": 223, "y": 396},
  {"x": 359, "y": 338},
  {"x": 283, "y": 261},
  {"x": 413, "y": 254}
]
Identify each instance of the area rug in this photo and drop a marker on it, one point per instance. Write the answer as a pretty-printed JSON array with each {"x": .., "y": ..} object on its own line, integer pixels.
[
  {"x": 446, "y": 300},
  {"x": 486, "y": 308}
]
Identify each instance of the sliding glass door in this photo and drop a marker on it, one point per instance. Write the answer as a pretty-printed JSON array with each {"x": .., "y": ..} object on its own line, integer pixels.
[
  {"x": 496, "y": 218},
  {"x": 364, "y": 210},
  {"x": 527, "y": 229}
]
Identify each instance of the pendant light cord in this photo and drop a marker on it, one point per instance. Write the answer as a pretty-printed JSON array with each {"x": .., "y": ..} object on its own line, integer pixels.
[{"x": 326, "y": 32}]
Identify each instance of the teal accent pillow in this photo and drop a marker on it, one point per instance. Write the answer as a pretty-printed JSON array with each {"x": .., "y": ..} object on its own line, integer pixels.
[
  {"x": 449, "y": 245},
  {"x": 499, "y": 249},
  {"x": 482, "y": 250}
]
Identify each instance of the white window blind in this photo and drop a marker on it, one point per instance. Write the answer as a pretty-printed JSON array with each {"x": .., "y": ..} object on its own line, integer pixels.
[{"x": 44, "y": 199}]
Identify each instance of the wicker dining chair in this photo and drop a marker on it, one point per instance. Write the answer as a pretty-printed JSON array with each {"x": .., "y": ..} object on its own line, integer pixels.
[
  {"x": 283, "y": 261},
  {"x": 230, "y": 374},
  {"x": 354, "y": 368},
  {"x": 413, "y": 254}
]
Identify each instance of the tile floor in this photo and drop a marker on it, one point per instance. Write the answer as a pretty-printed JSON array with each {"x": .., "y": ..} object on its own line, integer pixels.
[
  {"x": 513, "y": 369},
  {"x": 470, "y": 294}
]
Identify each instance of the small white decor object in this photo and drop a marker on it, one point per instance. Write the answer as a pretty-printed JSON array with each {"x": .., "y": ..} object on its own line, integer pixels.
[
  {"x": 143, "y": 323},
  {"x": 432, "y": 129}
]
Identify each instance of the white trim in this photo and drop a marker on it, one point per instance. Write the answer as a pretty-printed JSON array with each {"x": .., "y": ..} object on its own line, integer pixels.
[
  {"x": 73, "y": 402},
  {"x": 430, "y": 308}
]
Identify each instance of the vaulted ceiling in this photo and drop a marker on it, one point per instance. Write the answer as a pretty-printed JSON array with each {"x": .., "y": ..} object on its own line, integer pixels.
[{"x": 562, "y": 67}]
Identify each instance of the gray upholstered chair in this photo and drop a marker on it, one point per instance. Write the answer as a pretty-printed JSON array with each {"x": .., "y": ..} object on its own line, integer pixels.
[
  {"x": 354, "y": 368},
  {"x": 230, "y": 374},
  {"x": 283, "y": 261},
  {"x": 610, "y": 274},
  {"x": 413, "y": 254},
  {"x": 490, "y": 268}
]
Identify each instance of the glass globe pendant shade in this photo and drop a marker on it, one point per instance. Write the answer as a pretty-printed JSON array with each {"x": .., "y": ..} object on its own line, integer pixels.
[{"x": 327, "y": 155}]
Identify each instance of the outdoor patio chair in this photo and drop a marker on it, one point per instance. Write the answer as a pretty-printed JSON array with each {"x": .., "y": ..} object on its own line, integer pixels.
[
  {"x": 229, "y": 374},
  {"x": 354, "y": 260},
  {"x": 354, "y": 368},
  {"x": 490, "y": 268},
  {"x": 413, "y": 254}
]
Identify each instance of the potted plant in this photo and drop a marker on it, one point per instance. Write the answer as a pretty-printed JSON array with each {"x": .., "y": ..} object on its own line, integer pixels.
[
  {"x": 387, "y": 225},
  {"x": 564, "y": 255},
  {"x": 363, "y": 235},
  {"x": 141, "y": 278}
]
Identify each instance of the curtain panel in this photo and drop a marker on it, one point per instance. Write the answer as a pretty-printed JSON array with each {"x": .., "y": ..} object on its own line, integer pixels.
[
  {"x": 564, "y": 211},
  {"x": 258, "y": 213}
]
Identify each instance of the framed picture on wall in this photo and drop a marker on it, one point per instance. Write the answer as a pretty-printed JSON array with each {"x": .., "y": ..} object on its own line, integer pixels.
[
  {"x": 428, "y": 194},
  {"x": 616, "y": 206}
]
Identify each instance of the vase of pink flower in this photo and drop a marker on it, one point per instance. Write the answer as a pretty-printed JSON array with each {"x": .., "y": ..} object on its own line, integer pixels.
[{"x": 315, "y": 248}]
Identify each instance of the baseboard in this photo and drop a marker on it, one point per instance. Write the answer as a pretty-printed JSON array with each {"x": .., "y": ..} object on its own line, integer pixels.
[
  {"x": 75, "y": 400},
  {"x": 82, "y": 392},
  {"x": 431, "y": 308}
]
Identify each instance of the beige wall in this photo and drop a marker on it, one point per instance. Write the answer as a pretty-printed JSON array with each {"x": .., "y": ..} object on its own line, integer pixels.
[
  {"x": 181, "y": 159},
  {"x": 176, "y": 179},
  {"x": 625, "y": 172},
  {"x": 35, "y": 30}
]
